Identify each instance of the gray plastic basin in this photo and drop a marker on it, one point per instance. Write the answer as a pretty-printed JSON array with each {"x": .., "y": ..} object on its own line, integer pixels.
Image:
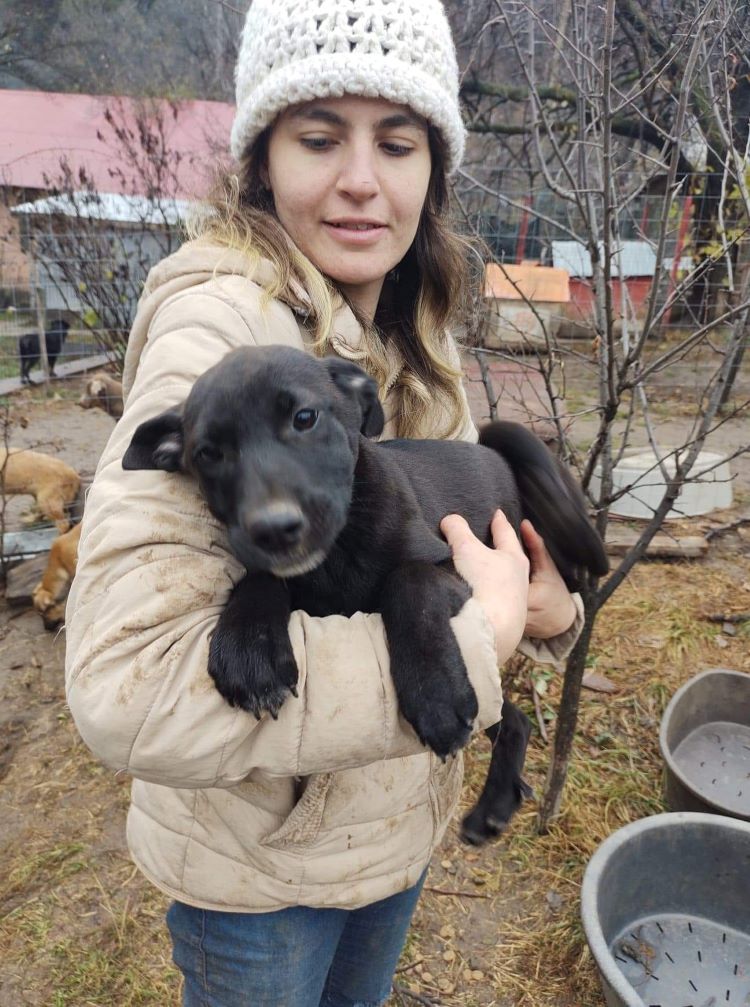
[
  {"x": 705, "y": 743},
  {"x": 666, "y": 910}
]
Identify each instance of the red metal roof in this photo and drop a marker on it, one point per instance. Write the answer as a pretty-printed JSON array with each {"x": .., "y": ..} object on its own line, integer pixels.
[{"x": 37, "y": 128}]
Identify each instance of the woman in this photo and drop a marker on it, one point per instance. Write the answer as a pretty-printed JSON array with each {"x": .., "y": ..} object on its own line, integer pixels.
[{"x": 295, "y": 849}]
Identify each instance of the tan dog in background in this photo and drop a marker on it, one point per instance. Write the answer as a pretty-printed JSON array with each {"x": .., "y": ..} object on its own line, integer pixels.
[
  {"x": 103, "y": 392},
  {"x": 50, "y": 594},
  {"x": 49, "y": 480}
]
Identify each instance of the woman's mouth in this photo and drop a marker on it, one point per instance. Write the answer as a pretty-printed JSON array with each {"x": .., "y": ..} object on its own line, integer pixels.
[{"x": 355, "y": 231}]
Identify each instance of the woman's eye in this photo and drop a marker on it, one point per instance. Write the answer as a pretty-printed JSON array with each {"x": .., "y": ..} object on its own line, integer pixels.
[
  {"x": 316, "y": 142},
  {"x": 209, "y": 453},
  {"x": 305, "y": 419},
  {"x": 397, "y": 149}
]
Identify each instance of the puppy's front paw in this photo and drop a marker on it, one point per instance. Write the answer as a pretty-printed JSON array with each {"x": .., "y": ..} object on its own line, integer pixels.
[
  {"x": 252, "y": 665},
  {"x": 442, "y": 710}
]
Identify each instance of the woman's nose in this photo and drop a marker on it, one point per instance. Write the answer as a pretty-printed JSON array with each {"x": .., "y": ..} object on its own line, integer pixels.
[{"x": 358, "y": 177}]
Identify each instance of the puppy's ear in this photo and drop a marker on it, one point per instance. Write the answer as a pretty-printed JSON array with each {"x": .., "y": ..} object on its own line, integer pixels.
[
  {"x": 353, "y": 381},
  {"x": 157, "y": 444}
]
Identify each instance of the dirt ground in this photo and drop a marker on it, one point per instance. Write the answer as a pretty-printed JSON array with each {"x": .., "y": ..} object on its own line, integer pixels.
[{"x": 497, "y": 927}]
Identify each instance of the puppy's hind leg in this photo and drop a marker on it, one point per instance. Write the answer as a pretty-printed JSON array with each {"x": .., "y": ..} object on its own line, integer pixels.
[
  {"x": 433, "y": 688},
  {"x": 504, "y": 788}
]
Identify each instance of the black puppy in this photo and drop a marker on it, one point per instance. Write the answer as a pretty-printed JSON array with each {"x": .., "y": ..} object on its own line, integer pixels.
[
  {"x": 328, "y": 522},
  {"x": 29, "y": 350}
]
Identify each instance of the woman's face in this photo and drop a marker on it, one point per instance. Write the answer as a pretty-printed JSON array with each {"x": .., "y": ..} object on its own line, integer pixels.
[{"x": 349, "y": 178}]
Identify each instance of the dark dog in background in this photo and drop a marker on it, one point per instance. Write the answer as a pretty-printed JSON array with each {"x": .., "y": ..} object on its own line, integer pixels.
[
  {"x": 29, "y": 350},
  {"x": 326, "y": 521}
]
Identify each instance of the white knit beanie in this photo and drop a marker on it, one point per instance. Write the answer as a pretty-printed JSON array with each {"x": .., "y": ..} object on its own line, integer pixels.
[{"x": 294, "y": 51}]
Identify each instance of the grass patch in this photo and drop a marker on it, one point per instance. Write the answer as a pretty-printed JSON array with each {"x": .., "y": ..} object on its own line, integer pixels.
[
  {"x": 42, "y": 869},
  {"x": 652, "y": 637}
]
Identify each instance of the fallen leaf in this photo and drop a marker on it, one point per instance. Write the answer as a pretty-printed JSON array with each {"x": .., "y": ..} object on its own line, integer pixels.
[{"x": 598, "y": 683}]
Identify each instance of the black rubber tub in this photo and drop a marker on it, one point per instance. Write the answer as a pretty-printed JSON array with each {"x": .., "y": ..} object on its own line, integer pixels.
[
  {"x": 705, "y": 743},
  {"x": 666, "y": 910}
]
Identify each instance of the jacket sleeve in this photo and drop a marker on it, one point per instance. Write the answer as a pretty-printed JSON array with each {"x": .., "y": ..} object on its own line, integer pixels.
[
  {"x": 555, "y": 649},
  {"x": 153, "y": 575}
]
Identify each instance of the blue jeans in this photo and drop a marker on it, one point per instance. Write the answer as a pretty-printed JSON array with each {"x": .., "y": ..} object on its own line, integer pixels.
[{"x": 297, "y": 957}]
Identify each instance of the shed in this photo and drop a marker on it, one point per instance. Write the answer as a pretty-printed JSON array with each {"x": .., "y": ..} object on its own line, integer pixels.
[
  {"x": 634, "y": 264},
  {"x": 523, "y": 303},
  {"x": 116, "y": 235}
]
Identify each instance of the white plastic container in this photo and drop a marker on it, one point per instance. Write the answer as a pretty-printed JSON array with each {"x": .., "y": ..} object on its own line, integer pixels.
[{"x": 710, "y": 487}]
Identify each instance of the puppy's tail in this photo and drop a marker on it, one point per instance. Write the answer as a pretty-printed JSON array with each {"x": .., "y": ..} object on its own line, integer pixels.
[{"x": 551, "y": 499}]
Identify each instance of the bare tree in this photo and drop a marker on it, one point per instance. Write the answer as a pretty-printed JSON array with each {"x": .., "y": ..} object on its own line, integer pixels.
[
  {"x": 595, "y": 169},
  {"x": 95, "y": 248},
  {"x": 648, "y": 64}
]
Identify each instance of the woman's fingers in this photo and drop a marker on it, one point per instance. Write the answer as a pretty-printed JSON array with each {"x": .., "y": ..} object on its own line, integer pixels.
[
  {"x": 460, "y": 537},
  {"x": 503, "y": 535},
  {"x": 499, "y": 577},
  {"x": 457, "y": 532},
  {"x": 489, "y": 572},
  {"x": 539, "y": 558}
]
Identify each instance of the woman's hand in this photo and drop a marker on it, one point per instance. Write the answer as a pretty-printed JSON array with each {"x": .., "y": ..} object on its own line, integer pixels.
[
  {"x": 499, "y": 577},
  {"x": 551, "y": 607}
]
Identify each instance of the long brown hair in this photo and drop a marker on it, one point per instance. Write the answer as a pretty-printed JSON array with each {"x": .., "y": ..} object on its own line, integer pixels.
[{"x": 427, "y": 295}]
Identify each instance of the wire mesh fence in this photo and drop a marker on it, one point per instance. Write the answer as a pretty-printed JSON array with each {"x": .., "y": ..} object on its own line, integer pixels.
[{"x": 76, "y": 294}]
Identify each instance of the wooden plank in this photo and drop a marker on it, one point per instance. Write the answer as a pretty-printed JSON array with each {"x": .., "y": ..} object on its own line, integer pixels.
[{"x": 661, "y": 546}]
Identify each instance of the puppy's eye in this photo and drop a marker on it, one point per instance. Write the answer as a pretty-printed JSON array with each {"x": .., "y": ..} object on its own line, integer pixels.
[
  {"x": 305, "y": 419},
  {"x": 209, "y": 453}
]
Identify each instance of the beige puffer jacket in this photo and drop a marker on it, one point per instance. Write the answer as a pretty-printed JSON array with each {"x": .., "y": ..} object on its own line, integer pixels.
[{"x": 336, "y": 803}]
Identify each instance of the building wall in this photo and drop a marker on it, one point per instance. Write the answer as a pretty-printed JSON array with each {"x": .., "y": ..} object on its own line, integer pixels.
[{"x": 14, "y": 263}]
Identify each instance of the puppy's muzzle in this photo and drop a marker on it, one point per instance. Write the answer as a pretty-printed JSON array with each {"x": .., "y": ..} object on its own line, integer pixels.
[{"x": 277, "y": 529}]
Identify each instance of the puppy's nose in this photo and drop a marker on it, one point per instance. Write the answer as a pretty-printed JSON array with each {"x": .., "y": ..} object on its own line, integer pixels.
[{"x": 277, "y": 528}]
